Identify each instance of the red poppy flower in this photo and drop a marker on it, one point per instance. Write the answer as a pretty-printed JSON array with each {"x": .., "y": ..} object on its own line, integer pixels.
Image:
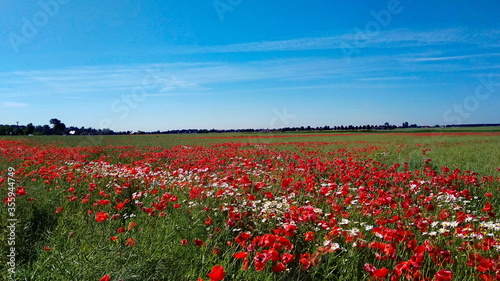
[
  {"x": 486, "y": 277},
  {"x": 240, "y": 255},
  {"x": 246, "y": 262},
  {"x": 444, "y": 275},
  {"x": 120, "y": 206},
  {"x": 308, "y": 236},
  {"x": 259, "y": 261},
  {"x": 131, "y": 225},
  {"x": 130, "y": 242},
  {"x": 381, "y": 273},
  {"x": 21, "y": 191},
  {"x": 242, "y": 238},
  {"x": 279, "y": 267},
  {"x": 198, "y": 242},
  {"x": 216, "y": 251},
  {"x": 304, "y": 261},
  {"x": 287, "y": 258},
  {"x": 217, "y": 273},
  {"x": 101, "y": 216},
  {"x": 105, "y": 278}
]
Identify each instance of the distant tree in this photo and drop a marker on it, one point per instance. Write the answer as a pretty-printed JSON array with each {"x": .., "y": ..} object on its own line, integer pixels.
[
  {"x": 16, "y": 130},
  {"x": 30, "y": 129},
  {"x": 405, "y": 125},
  {"x": 38, "y": 130},
  {"x": 5, "y": 130},
  {"x": 58, "y": 126},
  {"x": 46, "y": 130},
  {"x": 108, "y": 131}
]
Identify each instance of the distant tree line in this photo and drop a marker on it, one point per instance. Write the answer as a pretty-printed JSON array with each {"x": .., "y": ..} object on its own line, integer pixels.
[{"x": 57, "y": 127}]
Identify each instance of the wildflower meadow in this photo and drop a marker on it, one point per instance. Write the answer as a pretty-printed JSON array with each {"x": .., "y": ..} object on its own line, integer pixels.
[{"x": 393, "y": 206}]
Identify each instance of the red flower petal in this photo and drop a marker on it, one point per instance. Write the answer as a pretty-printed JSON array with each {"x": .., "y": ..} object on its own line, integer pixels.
[
  {"x": 381, "y": 273},
  {"x": 444, "y": 275},
  {"x": 240, "y": 255},
  {"x": 217, "y": 273},
  {"x": 105, "y": 278}
]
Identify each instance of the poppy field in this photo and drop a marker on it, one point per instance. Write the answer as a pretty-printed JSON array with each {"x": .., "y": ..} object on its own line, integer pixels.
[{"x": 288, "y": 207}]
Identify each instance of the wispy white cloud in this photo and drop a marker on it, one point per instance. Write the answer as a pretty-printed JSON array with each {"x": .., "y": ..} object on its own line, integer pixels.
[
  {"x": 384, "y": 39},
  {"x": 448, "y": 58},
  {"x": 176, "y": 79},
  {"x": 106, "y": 80},
  {"x": 390, "y": 78},
  {"x": 14, "y": 104}
]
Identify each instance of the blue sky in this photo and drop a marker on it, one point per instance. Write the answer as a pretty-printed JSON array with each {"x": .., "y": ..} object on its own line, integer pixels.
[{"x": 160, "y": 65}]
